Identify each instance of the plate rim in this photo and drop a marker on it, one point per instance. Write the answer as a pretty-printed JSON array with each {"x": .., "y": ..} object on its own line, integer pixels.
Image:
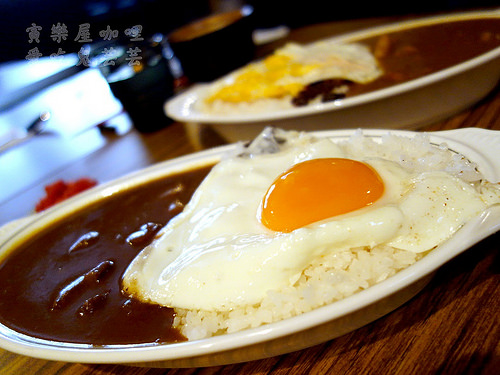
[{"x": 180, "y": 107}]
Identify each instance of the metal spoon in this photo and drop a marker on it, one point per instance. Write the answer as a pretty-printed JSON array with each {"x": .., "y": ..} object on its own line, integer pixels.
[{"x": 35, "y": 128}]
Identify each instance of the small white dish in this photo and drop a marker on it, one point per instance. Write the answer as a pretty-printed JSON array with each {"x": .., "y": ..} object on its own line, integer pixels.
[
  {"x": 407, "y": 105},
  {"x": 308, "y": 329}
]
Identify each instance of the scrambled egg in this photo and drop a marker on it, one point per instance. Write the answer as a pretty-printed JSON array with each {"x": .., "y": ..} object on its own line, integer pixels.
[{"x": 289, "y": 69}]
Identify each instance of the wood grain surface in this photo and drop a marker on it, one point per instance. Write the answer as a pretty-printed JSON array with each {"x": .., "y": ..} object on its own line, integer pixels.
[{"x": 451, "y": 327}]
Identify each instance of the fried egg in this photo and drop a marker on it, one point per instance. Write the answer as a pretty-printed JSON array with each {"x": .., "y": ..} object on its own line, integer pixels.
[
  {"x": 289, "y": 69},
  {"x": 257, "y": 221}
]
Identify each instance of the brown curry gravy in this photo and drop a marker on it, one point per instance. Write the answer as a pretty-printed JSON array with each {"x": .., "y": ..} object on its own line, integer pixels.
[
  {"x": 413, "y": 53},
  {"x": 51, "y": 292}
]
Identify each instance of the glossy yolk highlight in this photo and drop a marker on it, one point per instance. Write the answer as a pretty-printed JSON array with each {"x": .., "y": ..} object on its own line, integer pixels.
[{"x": 318, "y": 189}]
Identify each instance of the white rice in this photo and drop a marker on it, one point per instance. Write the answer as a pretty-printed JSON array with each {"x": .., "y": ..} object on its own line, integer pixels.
[
  {"x": 326, "y": 280},
  {"x": 340, "y": 274},
  {"x": 264, "y": 105}
]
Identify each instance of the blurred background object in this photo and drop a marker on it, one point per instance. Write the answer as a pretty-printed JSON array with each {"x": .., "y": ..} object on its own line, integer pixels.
[{"x": 159, "y": 16}]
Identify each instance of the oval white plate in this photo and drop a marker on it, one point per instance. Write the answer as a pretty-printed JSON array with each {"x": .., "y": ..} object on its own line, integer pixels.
[
  {"x": 402, "y": 106},
  {"x": 322, "y": 324}
]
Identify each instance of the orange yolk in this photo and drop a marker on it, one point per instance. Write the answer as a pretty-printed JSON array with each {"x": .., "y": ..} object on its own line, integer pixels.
[{"x": 318, "y": 189}]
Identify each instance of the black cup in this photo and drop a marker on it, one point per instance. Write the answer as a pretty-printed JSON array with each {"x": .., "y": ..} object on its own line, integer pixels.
[{"x": 143, "y": 87}]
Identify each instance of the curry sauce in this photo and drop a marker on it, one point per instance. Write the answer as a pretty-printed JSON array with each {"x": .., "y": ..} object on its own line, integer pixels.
[
  {"x": 64, "y": 283},
  {"x": 413, "y": 53}
]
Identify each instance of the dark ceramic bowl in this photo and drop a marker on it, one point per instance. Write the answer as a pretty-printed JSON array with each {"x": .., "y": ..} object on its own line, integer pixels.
[{"x": 215, "y": 45}]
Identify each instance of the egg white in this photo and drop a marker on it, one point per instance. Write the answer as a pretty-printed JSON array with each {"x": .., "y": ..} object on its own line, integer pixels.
[
  {"x": 216, "y": 255},
  {"x": 352, "y": 61}
]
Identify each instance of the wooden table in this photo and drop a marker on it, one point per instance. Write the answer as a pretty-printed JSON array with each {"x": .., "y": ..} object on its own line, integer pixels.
[{"x": 451, "y": 327}]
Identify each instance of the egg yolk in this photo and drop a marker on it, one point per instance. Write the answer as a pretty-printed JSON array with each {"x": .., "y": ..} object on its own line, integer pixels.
[{"x": 318, "y": 189}]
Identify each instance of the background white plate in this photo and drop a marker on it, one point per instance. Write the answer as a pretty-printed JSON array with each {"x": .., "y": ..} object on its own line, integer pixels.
[
  {"x": 408, "y": 105},
  {"x": 322, "y": 324}
]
